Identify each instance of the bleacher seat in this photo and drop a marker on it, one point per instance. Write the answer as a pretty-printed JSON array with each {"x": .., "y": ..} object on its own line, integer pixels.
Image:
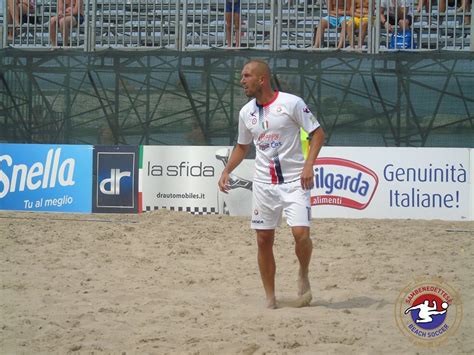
[{"x": 154, "y": 22}]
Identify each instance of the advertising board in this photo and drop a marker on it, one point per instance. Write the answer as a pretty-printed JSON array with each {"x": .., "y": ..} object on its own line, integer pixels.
[
  {"x": 181, "y": 178},
  {"x": 417, "y": 183},
  {"x": 52, "y": 178},
  {"x": 369, "y": 182},
  {"x": 115, "y": 185}
]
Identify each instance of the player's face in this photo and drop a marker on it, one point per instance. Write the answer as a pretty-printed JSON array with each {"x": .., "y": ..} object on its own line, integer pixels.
[{"x": 249, "y": 80}]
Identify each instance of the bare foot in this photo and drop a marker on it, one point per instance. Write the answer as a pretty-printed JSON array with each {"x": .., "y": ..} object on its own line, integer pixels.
[
  {"x": 303, "y": 285},
  {"x": 271, "y": 303},
  {"x": 305, "y": 299},
  {"x": 302, "y": 301}
]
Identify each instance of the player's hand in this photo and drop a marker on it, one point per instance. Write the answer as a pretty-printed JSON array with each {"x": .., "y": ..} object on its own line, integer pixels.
[
  {"x": 224, "y": 182},
  {"x": 307, "y": 177}
]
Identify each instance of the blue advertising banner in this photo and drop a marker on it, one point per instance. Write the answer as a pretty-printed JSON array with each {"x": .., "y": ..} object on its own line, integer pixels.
[
  {"x": 115, "y": 180},
  {"x": 48, "y": 178}
]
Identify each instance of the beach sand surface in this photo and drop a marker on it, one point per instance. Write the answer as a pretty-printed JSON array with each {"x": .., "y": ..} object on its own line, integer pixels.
[{"x": 173, "y": 283}]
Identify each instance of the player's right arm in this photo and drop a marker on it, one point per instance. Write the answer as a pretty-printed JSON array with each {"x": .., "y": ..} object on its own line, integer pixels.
[{"x": 238, "y": 154}]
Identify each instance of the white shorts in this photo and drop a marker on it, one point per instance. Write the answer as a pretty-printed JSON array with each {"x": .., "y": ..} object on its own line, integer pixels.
[{"x": 269, "y": 201}]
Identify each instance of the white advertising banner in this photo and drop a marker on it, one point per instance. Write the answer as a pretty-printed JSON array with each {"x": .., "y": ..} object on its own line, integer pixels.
[
  {"x": 184, "y": 178},
  {"x": 238, "y": 200},
  {"x": 350, "y": 182},
  {"x": 180, "y": 178},
  {"x": 471, "y": 186},
  {"x": 416, "y": 183},
  {"x": 370, "y": 182}
]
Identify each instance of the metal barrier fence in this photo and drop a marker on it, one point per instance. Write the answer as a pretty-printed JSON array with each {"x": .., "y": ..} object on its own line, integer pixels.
[
  {"x": 261, "y": 24},
  {"x": 194, "y": 97}
]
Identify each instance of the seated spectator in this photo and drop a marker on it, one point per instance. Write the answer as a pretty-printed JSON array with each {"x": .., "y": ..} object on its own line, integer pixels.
[
  {"x": 232, "y": 17},
  {"x": 424, "y": 3},
  {"x": 464, "y": 8},
  {"x": 442, "y": 5},
  {"x": 19, "y": 11},
  {"x": 70, "y": 14},
  {"x": 359, "y": 13},
  {"x": 396, "y": 13},
  {"x": 338, "y": 11}
]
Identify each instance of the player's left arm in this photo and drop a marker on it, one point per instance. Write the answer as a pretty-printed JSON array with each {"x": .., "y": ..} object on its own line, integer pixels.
[
  {"x": 305, "y": 119},
  {"x": 315, "y": 144}
]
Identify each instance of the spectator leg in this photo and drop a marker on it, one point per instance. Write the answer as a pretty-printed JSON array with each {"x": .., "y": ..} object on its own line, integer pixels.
[
  {"x": 52, "y": 30},
  {"x": 350, "y": 33},
  {"x": 343, "y": 34},
  {"x": 237, "y": 28},
  {"x": 442, "y": 6},
  {"x": 466, "y": 7},
  {"x": 228, "y": 28},
  {"x": 320, "y": 33},
  {"x": 66, "y": 26},
  {"x": 362, "y": 32},
  {"x": 15, "y": 9}
]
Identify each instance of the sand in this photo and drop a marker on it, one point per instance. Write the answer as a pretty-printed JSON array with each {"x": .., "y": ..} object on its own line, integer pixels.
[{"x": 170, "y": 282}]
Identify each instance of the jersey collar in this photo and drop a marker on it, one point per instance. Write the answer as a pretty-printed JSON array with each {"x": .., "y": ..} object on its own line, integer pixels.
[{"x": 269, "y": 102}]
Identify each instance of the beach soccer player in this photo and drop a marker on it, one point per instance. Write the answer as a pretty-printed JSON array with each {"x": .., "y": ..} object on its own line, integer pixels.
[{"x": 283, "y": 177}]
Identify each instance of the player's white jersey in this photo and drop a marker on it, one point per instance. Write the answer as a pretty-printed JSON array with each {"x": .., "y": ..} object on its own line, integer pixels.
[{"x": 275, "y": 131}]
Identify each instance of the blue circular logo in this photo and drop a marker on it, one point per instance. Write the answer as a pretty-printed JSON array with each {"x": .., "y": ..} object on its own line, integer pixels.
[{"x": 428, "y": 311}]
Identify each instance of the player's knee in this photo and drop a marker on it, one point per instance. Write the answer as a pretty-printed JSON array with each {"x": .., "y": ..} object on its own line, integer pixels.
[
  {"x": 301, "y": 234},
  {"x": 265, "y": 240}
]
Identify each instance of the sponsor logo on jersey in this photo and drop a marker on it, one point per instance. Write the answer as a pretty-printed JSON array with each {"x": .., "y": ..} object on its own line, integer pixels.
[
  {"x": 268, "y": 137},
  {"x": 253, "y": 117},
  {"x": 263, "y": 146}
]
